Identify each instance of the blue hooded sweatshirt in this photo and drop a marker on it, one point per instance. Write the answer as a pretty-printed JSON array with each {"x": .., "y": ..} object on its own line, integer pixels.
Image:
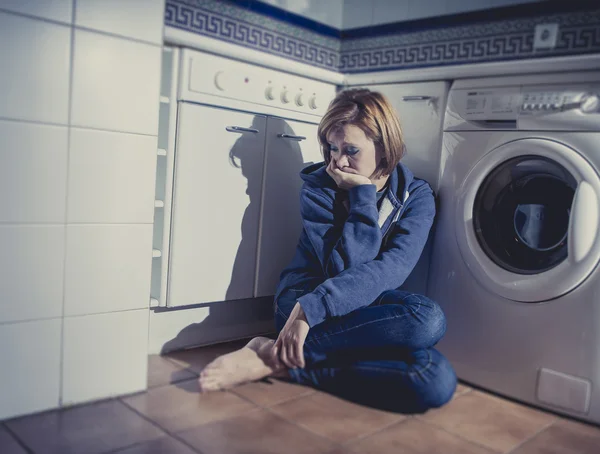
[{"x": 350, "y": 251}]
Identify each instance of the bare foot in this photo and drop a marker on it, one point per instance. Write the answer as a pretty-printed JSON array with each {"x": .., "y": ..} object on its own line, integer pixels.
[{"x": 254, "y": 361}]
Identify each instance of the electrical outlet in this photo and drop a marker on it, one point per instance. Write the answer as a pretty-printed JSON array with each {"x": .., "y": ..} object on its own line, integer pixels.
[{"x": 545, "y": 36}]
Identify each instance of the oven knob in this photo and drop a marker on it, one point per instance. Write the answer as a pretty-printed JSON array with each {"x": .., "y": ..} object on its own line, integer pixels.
[
  {"x": 589, "y": 103},
  {"x": 300, "y": 99},
  {"x": 220, "y": 80},
  {"x": 270, "y": 93},
  {"x": 312, "y": 102},
  {"x": 285, "y": 96}
]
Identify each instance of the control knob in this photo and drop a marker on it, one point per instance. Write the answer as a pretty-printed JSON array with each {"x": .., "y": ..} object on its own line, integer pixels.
[
  {"x": 312, "y": 102},
  {"x": 300, "y": 99},
  {"x": 285, "y": 96},
  {"x": 589, "y": 103},
  {"x": 270, "y": 93}
]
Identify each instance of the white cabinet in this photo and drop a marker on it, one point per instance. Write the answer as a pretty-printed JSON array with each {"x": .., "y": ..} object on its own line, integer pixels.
[
  {"x": 291, "y": 146},
  {"x": 216, "y": 205},
  {"x": 421, "y": 109}
]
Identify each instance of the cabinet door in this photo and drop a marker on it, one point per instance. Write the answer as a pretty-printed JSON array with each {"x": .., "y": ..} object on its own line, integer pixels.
[
  {"x": 420, "y": 107},
  {"x": 216, "y": 201},
  {"x": 281, "y": 224}
]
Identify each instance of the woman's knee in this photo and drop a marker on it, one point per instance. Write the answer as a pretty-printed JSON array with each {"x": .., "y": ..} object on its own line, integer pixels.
[
  {"x": 441, "y": 381},
  {"x": 430, "y": 318}
]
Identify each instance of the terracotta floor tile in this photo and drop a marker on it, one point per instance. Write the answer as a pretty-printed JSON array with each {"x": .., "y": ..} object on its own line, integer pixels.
[
  {"x": 88, "y": 429},
  {"x": 164, "y": 445},
  {"x": 181, "y": 406},
  {"x": 563, "y": 437},
  {"x": 197, "y": 358},
  {"x": 161, "y": 372},
  {"x": 271, "y": 392},
  {"x": 335, "y": 418},
  {"x": 416, "y": 437},
  {"x": 259, "y": 432},
  {"x": 460, "y": 390},
  {"x": 8, "y": 445},
  {"x": 496, "y": 423}
]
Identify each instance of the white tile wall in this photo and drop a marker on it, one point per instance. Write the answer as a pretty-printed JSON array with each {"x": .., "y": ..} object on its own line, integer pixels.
[
  {"x": 30, "y": 367},
  {"x": 57, "y": 10},
  {"x": 33, "y": 174},
  {"x": 389, "y": 11},
  {"x": 31, "y": 272},
  {"x": 463, "y": 6},
  {"x": 419, "y": 9},
  {"x": 107, "y": 268},
  {"x": 104, "y": 355},
  {"x": 34, "y": 79},
  {"x": 140, "y": 19},
  {"x": 116, "y": 84},
  {"x": 111, "y": 177},
  {"x": 357, "y": 13}
]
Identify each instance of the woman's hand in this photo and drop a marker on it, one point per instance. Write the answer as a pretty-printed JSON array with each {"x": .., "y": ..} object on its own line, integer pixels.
[
  {"x": 290, "y": 343},
  {"x": 346, "y": 180}
]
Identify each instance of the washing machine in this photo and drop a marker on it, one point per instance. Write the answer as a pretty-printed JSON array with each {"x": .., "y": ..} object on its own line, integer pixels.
[{"x": 517, "y": 244}]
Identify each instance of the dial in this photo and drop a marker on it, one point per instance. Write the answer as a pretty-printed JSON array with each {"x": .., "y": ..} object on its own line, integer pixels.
[
  {"x": 221, "y": 80},
  {"x": 312, "y": 102},
  {"x": 300, "y": 99},
  {"x": 270, "y": 93},
  {"x": 589, "y": 103},
  {"x": 285, "y": 96}
]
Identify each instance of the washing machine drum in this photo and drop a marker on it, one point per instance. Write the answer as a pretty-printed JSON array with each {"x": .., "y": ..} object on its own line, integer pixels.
[
  {"x": 527, "y": 220},
  {"x": 521, "y": 214}
]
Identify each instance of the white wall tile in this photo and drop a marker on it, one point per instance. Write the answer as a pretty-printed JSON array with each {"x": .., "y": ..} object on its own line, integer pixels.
[
  {"x": 31, "y": 272},
  {"x": 58, "y": 10},
  {"x": 387, "y": 11},
  {"x": 107, "y": 268},
  {"x": 420, "y": 9},
  {"x": 30, "y": 367},
  {"x": 34, "y": 79},
  {"x": 328, "y": 12},
  {"x": 357, "y": 13},
  {"x": 116, "y": 84},
  {"x": 140, "y": 19},
  {"x": 33, "y": 174},
  {"x": 111, "y": 177},
  {"x": 104, "y": 355},
  {"x": 464, "y": 6}
]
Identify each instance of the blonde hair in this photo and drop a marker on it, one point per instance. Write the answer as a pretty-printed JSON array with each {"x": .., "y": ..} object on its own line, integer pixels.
[{"x": 373, "y": 113}]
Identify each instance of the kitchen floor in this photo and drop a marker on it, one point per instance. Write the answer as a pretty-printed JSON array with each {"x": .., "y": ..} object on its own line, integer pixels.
[{"x": 278, "y": 417}]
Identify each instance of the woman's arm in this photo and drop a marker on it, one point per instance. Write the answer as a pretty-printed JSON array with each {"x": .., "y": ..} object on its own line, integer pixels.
[
  {"x": 342, "y": 243},
  {"x": 360, "y": 285}
]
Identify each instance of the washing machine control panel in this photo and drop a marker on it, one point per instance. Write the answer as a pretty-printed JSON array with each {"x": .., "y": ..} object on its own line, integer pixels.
[{"x": 586, "y": 100}]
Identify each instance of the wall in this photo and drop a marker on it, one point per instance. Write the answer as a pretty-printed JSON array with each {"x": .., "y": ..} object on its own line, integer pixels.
[
  {"x": 366, "y": 13},
  {"x": 79, "y": 90},
  {"x": 447, "y": 36},
  {"x": 328, "y": 12}
]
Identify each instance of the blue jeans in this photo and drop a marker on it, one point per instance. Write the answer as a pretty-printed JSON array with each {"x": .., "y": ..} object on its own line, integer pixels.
[{"x": 381, "y": 355}]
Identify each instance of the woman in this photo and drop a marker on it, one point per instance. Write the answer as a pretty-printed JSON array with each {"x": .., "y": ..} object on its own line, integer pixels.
[{"x": 343, "y": 325}]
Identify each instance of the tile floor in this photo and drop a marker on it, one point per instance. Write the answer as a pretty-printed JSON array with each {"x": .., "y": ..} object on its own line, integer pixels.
[{"x": 278, "y": 417}]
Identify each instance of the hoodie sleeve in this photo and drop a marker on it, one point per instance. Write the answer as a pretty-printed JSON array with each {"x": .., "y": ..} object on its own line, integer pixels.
[
  {"x": 360, "y": 285},
  {"x": 342, "y": 243}
]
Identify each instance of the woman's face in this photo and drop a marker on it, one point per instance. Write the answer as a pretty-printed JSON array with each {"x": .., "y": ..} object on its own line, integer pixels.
[{"x": 352, "y": 151}]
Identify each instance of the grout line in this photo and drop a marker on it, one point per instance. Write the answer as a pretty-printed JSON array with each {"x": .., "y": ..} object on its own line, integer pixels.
[
  {"x": 154, "y": 423},
  {"x": 116, "y": 35},
  {"x": 116, "y": 131},
  {"x": 38, "y": 18},
  {"x": 551, "y": 423},
  {"x": 34, "y": 122},
  {"x": 63, "y": 224},
  {"x": 61, "y": 373},
  {"x": 461, "y": 437},
  {"x": 20, "y": 442},
  {"x": 378, "y": 431}
]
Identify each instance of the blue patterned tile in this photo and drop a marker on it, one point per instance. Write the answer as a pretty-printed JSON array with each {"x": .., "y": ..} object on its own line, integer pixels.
[{"x": 399, "y": 48}]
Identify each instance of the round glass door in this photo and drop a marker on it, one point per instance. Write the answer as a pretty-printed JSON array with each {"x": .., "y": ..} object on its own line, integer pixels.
[{"x": 521, "y": 214}]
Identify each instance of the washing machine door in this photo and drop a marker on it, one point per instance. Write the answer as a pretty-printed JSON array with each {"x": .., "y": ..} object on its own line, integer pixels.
[{"x": 528, "y": 220}]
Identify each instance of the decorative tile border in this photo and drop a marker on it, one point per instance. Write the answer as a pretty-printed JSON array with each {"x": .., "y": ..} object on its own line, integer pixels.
[
  {"x": 579, "y": 33},
  {"x": 365, "y": 50},
  {"x": 230, "y": 22}
]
